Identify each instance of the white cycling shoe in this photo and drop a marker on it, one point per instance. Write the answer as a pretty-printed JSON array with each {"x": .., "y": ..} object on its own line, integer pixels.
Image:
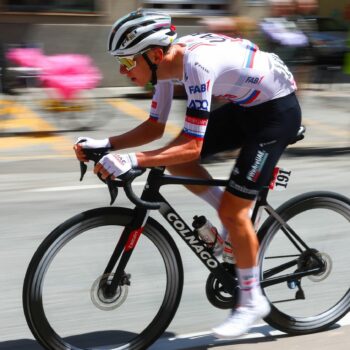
[{"x": 241, "y": 319}]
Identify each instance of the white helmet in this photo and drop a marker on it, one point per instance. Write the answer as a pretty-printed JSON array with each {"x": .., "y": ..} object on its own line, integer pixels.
[{"x": 139, "y": 30}]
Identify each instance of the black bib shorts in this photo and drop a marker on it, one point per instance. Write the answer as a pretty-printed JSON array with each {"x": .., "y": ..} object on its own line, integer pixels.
[{"x": 262, "y": 133}]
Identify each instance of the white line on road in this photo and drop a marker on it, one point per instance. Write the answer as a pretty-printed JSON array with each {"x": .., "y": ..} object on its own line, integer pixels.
[
  {"x": 198, "y": 339},
  {"x": 89, "y": 187},
  {"x": 75, "y": 188}
]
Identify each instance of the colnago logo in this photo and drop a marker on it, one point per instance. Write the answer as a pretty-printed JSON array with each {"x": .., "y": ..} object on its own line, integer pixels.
[{"x": 193, "y": 241}]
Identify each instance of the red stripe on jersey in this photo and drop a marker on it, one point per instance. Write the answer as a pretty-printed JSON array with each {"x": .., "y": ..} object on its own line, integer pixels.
[
  {"x": 257, "y": 93},
  {"x": 196, "y": 121},
  {"x": 191, "y": 136},
  {"x": 198, "y": 45}
]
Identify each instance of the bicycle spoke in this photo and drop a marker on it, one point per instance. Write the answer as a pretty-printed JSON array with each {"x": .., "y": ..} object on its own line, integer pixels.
[
  {"x": 309, "y": 288},
  {"x": 69, "y": 301}
]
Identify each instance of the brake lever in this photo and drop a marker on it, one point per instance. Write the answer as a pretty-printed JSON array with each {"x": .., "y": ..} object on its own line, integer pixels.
[
  {"x": 113, "y": 190},
  {"x": 83, "y": 168}
]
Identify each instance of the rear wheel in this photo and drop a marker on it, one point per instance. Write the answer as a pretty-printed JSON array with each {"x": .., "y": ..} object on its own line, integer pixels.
[
  {"x": 314, "y": 302},
  {"x": 64, "y": 304}
]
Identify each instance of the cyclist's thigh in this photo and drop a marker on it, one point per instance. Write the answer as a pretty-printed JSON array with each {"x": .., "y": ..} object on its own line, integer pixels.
[
  {"x": 223, "y": 130},
  {"x": 271, "y": 128}
]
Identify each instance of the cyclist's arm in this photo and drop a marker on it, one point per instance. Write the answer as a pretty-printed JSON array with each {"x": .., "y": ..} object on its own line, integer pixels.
[
  {"x": 144, "y": 133},
  {"x": 187, "y": 146},
  {"x": 153, "y": 128},
  {"x": 181, "y": 150}
]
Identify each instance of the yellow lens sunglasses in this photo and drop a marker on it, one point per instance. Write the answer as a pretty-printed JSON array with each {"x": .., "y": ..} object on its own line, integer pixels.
[{"x": 129, "y": 62}]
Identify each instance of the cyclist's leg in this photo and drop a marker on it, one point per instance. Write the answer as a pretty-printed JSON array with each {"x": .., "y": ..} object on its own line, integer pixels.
[
  {"x": 222, "y": 134},
  {"x": 269, "y": 129}
]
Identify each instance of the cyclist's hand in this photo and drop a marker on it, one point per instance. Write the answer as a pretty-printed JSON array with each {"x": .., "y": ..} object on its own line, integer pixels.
[
  {"x": 115, "y": 165},
  {"x": 88, "y": 143}
]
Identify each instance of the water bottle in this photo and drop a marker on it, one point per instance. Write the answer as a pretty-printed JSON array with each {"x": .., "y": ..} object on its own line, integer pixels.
[{"x": 207, "y": 232}]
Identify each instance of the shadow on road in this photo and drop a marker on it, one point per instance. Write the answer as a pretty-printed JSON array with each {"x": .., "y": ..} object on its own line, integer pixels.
[{"x": 169, "y": 341}]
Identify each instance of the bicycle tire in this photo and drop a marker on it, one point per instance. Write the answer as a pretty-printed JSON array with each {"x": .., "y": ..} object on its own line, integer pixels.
[
  {"x": 330, "y": 209},
  {"x": 40, "y": 316}
]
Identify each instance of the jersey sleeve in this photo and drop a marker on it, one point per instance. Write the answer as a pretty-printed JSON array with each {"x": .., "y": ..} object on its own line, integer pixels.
[
  {"x": 198, "y": 84},
  {"x": 161, "y": 102}
]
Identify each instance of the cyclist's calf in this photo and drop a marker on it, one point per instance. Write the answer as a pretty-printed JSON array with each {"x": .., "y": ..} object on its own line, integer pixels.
[{"x": 234, "y": 212}]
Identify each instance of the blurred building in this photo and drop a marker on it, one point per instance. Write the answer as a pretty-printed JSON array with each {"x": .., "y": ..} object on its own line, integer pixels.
[{"x": 82, "y": 26}]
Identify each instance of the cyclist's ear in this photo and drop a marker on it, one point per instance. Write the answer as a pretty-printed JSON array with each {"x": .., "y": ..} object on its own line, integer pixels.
[{"x": 156, "y": 55}]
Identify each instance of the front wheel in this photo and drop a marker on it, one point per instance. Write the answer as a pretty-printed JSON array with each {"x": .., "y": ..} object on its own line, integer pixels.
[
  {"x": 316, "y": 301},
  {"x": 64, "y": 304}
]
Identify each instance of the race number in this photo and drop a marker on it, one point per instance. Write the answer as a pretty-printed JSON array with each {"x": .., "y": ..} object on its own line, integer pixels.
[{"x": 280, "y": 179}]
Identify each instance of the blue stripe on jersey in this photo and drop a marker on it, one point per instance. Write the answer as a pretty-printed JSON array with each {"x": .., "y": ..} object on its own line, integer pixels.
[
  {"x": 193, "y": 134},
  {"x": 251, "y": 54},
  {"x": 249, "y": 98}
]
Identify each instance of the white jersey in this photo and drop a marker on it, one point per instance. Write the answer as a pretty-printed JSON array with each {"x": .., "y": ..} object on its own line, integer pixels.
[{"x": 231, "y": 69}]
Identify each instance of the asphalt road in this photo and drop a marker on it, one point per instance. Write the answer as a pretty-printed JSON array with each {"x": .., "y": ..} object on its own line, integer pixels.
[{"x": 39, "y": 189}]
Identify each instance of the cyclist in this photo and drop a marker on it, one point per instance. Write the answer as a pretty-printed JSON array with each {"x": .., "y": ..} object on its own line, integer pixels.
[{"x": 260, "y": 116}]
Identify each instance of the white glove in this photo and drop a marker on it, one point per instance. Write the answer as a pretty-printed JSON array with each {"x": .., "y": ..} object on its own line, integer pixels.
[
  {"x": 115, "y": 164},
  {"x": 90, "y": 143}
]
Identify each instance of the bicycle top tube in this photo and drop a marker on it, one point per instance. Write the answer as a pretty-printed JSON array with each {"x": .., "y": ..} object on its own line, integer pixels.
[{"x": 156, "y": 178}]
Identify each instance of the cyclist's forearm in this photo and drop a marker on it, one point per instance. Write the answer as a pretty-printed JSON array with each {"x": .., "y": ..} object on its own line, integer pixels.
[
  {"x": 179, "y": 151},
  {"x": 141, "y": 135}
]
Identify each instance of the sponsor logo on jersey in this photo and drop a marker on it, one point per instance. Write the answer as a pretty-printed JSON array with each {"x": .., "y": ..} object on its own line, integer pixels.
[
  {"x": 254, "y": 80},
  {"x": 201, "y": 105},
  {"x": 201, "y": 67},
  {"x": 154, "y": 104},
  {"x": 199, "y": 88}
]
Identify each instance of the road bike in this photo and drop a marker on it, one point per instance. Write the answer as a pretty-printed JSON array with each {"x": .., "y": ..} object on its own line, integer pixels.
[{"x": 112, "y": 277}]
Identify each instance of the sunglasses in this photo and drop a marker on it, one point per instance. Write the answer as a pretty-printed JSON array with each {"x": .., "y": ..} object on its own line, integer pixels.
[{"x": 129, "y": 62}]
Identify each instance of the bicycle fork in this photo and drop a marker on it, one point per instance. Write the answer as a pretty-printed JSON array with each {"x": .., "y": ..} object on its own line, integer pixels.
[{"x": 122, "y": 253}]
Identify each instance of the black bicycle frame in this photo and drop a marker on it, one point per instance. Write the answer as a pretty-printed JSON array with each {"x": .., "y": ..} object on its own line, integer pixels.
[{"x": 156, "y": 179}]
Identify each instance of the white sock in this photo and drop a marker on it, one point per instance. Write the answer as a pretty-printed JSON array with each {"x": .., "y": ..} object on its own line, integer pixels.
[
  {"x": 213, "y": 197},
  {"x": 249, "y": 282}
]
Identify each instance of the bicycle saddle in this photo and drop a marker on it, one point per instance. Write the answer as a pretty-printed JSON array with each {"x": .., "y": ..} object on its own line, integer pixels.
[{"x": 299, "y": 136}]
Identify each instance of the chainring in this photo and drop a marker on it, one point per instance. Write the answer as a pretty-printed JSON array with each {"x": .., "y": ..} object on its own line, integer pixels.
[{"x": 216, "y": 293}]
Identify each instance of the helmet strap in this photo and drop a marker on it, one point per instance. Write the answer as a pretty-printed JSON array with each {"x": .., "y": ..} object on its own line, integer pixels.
[{"x": 153, "y": 67}]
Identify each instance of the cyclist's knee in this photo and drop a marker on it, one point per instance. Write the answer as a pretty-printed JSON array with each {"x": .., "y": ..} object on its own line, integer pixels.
[{"x": 234, "y": 212}]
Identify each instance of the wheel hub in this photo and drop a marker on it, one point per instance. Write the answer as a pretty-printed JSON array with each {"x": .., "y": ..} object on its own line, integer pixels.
[
  {"x": 107, "y": 302},
  {"x": 308, "y": 261}
]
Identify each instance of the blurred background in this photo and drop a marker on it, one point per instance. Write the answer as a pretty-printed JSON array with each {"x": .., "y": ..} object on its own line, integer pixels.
[
  {"x": 58, "y": 82},
  {"x": 303, "y": 32}
]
